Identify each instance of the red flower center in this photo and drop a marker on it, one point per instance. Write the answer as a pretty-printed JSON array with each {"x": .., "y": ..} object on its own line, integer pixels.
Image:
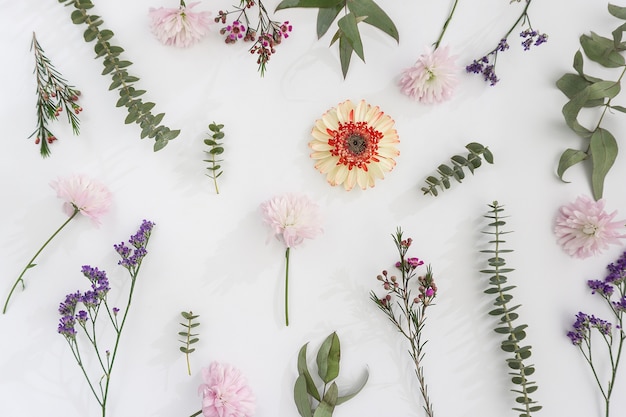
[{"x": 355, "y": 143}]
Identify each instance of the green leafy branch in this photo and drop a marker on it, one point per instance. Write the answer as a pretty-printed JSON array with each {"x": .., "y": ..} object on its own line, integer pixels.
[
  {"x": 305, "y": 390},
  {"x": 215, "y": 148},
  {"x": 348, "y": 35},
  {"x": 53, "y": 95},
  {"x": 138, "y": 111},
  {"x": 506, "y": 326},
  {"x": 189, "y": 338},
  {"x": 471, "y": 162},
  {"x": 585, "y": 91}
]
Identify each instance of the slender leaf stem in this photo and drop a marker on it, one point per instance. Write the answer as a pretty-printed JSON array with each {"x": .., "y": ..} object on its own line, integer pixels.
[
  {"x": 30, "y": 263},
  {"x": 287, "y": 287},
  {"x": 445, "y": 25}
]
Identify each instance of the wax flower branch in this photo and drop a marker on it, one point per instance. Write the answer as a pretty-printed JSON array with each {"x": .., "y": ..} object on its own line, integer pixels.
[
  {"x": 292, "y": 219},
  {"x": 265, "y": 36},
  {"x": 486, "y": 65},
  {"x": 406, "y": 312},
  {"x": 609, "y": 336},
  {"x": 54, "y": 95},
  {"x": 433, "y": 78},
  {"x": 82, "y": 196},
  {"x": 96, "y": 310}
]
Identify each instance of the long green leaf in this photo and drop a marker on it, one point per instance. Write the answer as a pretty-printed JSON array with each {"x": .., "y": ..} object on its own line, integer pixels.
[
  {"x": 345, "y": 54},
  {"x": 375, "y": 16},
  {"x": 603, "y": 147},
  {"x": 350, "y": 31},
  {"x": 301, "y": 397},
  {"x": 325, "y": 17},
  {"x": 303, "y": 370},
  {"x": 328, "y": 358}
]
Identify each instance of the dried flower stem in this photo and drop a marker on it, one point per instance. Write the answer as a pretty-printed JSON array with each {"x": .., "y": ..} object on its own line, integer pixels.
[
  {"x": 287, "y": 286},
  {"x": 30, "y": 263}
]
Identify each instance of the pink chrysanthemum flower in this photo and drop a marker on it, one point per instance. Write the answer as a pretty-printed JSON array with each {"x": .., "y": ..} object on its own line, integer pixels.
[
  {"x": 292, "y": 219},
  {"x": 432, "y": 79},
  {"x": 179, "y": 26},
  {"x": 354, "y": 144},
  {"x": 90, "y": 198},
  {"x": 225, "y": 392},
  {"x": 584, "y": 229}
]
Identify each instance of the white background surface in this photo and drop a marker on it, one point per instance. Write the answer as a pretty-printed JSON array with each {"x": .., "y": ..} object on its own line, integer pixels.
[{"x": 209, "y": 253}]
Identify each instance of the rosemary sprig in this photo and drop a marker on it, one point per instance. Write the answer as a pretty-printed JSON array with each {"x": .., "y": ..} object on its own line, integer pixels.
[{"x": 53, "y": 95}]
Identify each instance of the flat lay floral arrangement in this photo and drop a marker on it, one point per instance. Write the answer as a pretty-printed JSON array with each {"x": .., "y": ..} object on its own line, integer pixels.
[{"x": 309, "y": 233}]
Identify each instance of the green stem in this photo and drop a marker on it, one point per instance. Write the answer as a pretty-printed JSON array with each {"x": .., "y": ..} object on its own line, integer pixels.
[
  {"x": 197, "y": 413},
  {"x": 519, "y": 19},
  {"x": 287, "y": 287},
  {"x": 445, "y": 25},
  {"x": 30, "y": 263}
]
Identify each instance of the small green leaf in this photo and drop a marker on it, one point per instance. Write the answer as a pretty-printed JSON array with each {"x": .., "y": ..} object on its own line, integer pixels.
[
  {"x": 78, "y": 17},
  {"x": 603, "y": 148},
  {"x": 617, "y": 11},
  {"x": 344, "y": 398},
  {"x": 345, "y": 54},
  {"x": 327, "y": 406},
  {"x": 318, "y": 4},
  {"x": 568, "y": 159},
  {"x": 328, "y": 358},
  {"x": 601, "y": 50}
]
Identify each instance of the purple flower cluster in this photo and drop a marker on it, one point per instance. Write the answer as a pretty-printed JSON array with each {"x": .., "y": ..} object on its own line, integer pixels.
[
  {"x": 583, "y": 324},
  {"x": 131, "y": 258},
  {"x": 532, "y": 37},
  {"x": 91, "y": 299},
  {"x": 486, "y": 66}
]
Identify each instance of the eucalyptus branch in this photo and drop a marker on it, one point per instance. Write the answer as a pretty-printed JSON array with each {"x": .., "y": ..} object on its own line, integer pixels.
[
  {"x": 471, "y": 162},
  {"x": 216, "y": 148},
  {"x": 139, "y": 111},
  {"x": 53, "y": 95},
  {"x": 520, "y": 370},
  {"x": 586, "y": 91},
  {"x": 189, "y": 338}
]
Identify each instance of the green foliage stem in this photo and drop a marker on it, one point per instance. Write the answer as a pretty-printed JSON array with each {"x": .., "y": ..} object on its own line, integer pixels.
[
  {"x": 139, "y": 111},
  {"x": 305, "y": 391},
  {"x": 189, "y": 338},
  {"x": 471, "y": 162},
  {"x": 216, "y": 148},
  {"x": 348, "y": 35},
  {"x": 586, "y": 91},
  {"x": 506, "y": 326}
]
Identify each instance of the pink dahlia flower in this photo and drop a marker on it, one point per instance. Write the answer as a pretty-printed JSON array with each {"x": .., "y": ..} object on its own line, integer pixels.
[
  {"x": 225, "y": 392},
  {"x": 89, "y": 197},
  {"x": 292, "y": 218},
  {"x": 583, "y": 228},
  {"x": 179, "y": 26},
  {"x": 432, "y": 79}
]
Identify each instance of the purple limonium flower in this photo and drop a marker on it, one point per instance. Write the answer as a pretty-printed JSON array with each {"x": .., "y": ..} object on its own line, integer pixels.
[
  {"x": 617, "y": 270},
  {"x": 532, "y": 37},
  {"x": 82, "y": 317},
  {"x": 132, "y": 257},
  {"x": 67, "y": 320},
  {"x": 600, "y": 287},
  {"x": 620, "y": 306}
]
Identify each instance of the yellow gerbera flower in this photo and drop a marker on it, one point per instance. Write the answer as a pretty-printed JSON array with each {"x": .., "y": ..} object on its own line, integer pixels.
[{"x": 354, "y": 144}]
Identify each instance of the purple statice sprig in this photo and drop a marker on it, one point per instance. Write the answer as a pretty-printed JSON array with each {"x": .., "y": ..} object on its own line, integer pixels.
[
  {"x": 408, "y": 312},
  {"x": 612, "y": 289},
  {"x": 265, "y": 36},
  {"x": 486, "y": 65},
  {"x": 92, "y": 302}
]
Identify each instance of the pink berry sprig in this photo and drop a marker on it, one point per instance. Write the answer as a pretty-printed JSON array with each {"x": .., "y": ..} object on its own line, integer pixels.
[{"x": 265, "y": 36}]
